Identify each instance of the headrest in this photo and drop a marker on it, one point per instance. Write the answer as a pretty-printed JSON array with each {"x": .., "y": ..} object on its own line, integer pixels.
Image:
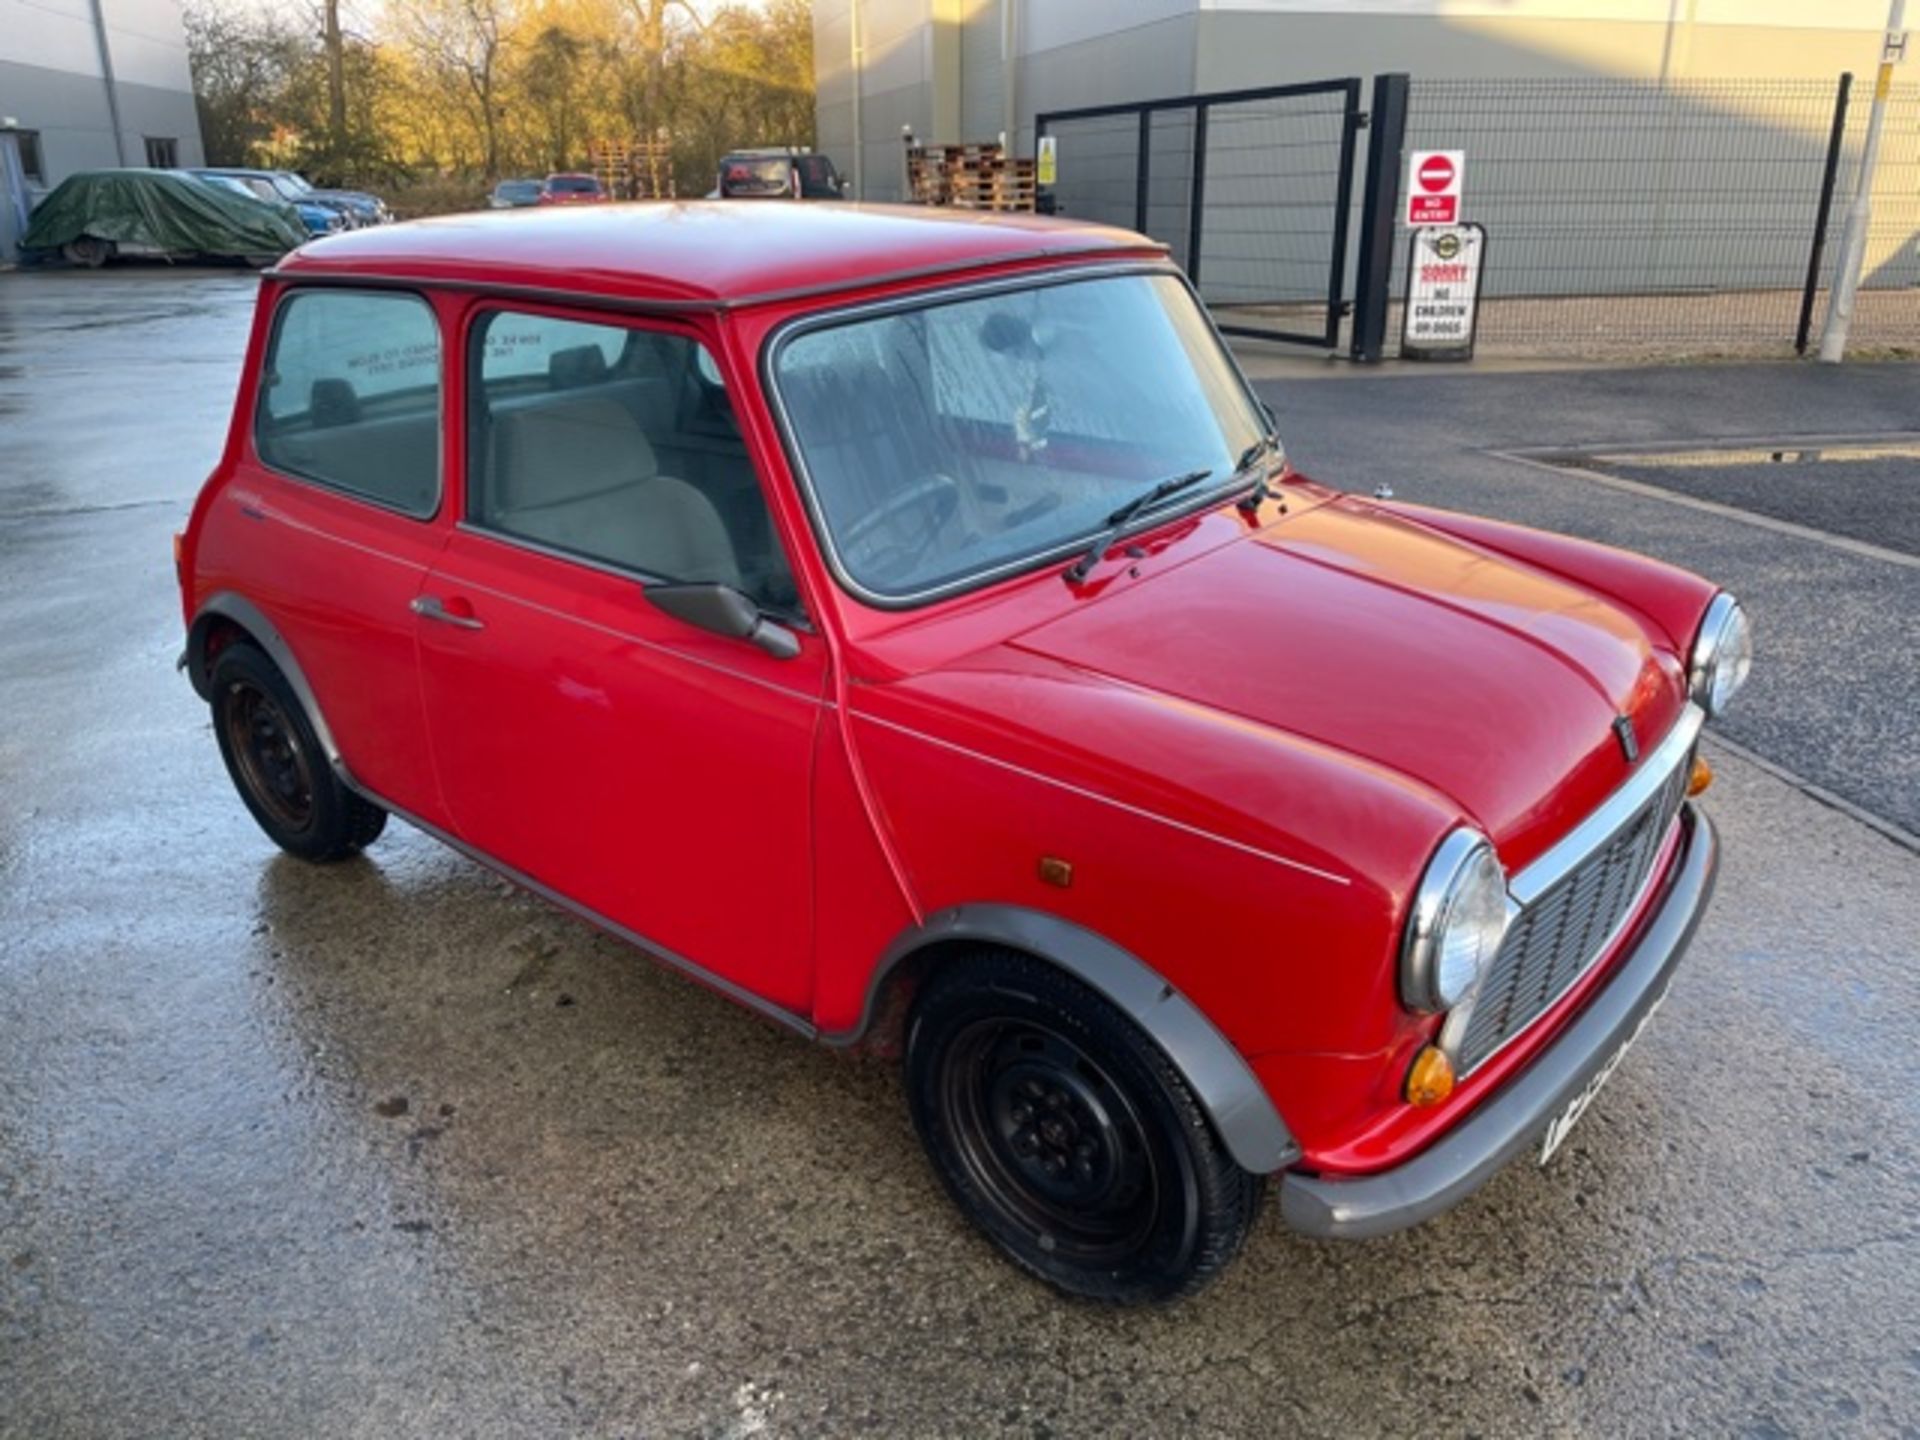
[
  {"x": 581, "y": 365},
  {"x": 332, "y": 402}
]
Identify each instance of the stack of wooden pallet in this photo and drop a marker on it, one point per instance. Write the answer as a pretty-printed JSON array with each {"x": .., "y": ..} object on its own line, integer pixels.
[
  {"x": 970, "y": 177},
  {"x": 633, "y": 169}
]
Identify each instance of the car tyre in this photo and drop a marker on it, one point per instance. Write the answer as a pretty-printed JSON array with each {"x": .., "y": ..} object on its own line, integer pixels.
[
  {"x": 87, "y": 250},
  {"x": 278, "y": 764},
  {"x": 1067, "y": 1135}
]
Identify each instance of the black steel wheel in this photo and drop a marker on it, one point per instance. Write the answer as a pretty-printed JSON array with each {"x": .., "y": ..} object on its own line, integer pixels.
[
  {"x": 278, "y": 764},
  {"x": 1067, "y": 1135}
]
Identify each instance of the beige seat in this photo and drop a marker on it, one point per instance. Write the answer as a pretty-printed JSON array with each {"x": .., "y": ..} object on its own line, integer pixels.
[{"x": 575, "y": 471}]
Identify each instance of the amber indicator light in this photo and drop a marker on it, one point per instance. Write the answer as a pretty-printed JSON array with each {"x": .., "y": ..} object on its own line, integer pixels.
[
  {"x": 1055, "y": 871},
  {"x": 1701, "y": 777},
  {"x": 1431, "y": 1079}
]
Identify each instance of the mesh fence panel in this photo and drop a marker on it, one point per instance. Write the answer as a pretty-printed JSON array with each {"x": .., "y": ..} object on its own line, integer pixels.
[
  {"x": 1273, "y": 203},
  {"x": 1886, "y": 312},
  {"x": 1627, "y": 216},
  {"x": 1274, "y": 172}
]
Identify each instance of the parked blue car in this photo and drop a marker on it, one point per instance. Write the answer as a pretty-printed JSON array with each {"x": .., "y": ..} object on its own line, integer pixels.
[
  {"x": 321, "y": 217},
  {"x": 315, "y": 218},
  {"x": 362, "y": 208}
]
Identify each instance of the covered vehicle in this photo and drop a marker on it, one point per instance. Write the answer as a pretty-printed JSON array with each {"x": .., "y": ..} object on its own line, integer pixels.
[{"x": 95, "y": 215}]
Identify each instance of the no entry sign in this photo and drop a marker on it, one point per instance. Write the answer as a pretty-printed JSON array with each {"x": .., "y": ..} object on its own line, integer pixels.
[{"x": 1433, "y": 186}]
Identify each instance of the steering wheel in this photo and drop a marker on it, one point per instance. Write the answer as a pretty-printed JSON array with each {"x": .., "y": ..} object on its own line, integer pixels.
[{"x": 890, "y": 539}]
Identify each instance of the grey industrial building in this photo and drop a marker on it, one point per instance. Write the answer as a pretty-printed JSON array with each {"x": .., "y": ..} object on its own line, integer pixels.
[
  {"x": 87, "y": 83},
  {"x": 1669, "y": 150},
  {"x": 968, "y": 70}
]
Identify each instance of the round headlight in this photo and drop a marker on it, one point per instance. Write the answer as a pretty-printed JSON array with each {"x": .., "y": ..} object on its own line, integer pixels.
[
  {"x": 1722, "y": 655},
  {"x": 1459, "y": 919}
]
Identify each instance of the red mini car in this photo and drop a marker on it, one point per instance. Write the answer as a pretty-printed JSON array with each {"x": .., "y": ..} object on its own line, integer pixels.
[{"x": 909, "y": 625}]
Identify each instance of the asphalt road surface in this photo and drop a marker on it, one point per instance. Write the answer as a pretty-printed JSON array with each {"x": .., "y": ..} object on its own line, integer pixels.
[{"x": 389, "y": 1149}]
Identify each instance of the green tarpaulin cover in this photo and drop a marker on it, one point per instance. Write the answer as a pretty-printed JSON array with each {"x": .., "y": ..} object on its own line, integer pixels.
[{"x": 160, "y": 208}]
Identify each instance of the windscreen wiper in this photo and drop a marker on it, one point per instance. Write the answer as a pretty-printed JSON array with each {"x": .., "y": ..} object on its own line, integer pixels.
[
  {"x": 1117, "y": 522},
  {"x": 1259, "y": 450}
]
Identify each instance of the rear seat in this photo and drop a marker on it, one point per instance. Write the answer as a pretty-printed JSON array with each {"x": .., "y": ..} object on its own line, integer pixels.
[{"x": 394, "y": 458}]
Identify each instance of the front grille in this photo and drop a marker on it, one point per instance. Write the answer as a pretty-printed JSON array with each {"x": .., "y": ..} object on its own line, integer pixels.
[{"x": 1553, "y": 941}]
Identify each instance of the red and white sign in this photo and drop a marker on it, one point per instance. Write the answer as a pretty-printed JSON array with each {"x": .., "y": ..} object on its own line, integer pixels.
[{"x": 1433, "y": 186}]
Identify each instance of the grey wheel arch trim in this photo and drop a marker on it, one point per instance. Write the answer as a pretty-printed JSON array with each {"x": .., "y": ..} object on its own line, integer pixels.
[
  {"x": 243, "y": 612},
  {"x": 1222, "y": 1081}
]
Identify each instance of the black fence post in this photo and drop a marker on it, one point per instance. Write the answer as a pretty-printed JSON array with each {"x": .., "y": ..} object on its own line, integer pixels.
[
  {"x": 1350, "y": 124},
  {"x": 1386, "y": 139},
  {"x": 1836, "y": 141},
  {"x": 1197, "y": 202},
  {"x": 1140, "y": 171}
]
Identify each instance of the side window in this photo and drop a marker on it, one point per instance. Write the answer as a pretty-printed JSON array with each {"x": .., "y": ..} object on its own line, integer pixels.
[
  {"x": 618, "y": 445},
  {"x": 351, "y": 396},
  {"x": 28, "y": 144}
]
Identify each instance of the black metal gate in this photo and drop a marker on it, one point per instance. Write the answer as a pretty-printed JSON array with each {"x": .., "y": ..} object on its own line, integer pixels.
[{"x": 1251, "y": 190}]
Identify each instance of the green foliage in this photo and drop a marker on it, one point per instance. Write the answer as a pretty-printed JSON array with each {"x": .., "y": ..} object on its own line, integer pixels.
[{"x": 471, "y": 90}]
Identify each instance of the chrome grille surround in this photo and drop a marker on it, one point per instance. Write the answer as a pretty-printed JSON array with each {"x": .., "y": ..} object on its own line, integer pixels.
[{"x": 1568, "y": 906}]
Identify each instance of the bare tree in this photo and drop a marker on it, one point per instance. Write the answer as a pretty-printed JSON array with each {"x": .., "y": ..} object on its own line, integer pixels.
[
  {"x": 651, "y": 18},
  {"x": 465, "y": 41}
]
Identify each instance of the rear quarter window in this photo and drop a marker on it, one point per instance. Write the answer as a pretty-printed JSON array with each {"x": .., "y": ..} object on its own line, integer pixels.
[{"x": 350, "y": 397}]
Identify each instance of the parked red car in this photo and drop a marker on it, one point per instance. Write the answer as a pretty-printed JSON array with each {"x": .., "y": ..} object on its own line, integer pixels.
[
  {"x": 909, "y": 625},
  {"x": 568, "y": 189}
]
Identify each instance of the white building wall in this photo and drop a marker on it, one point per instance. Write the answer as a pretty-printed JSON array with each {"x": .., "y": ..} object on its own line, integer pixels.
[{"x": 52, "y": 81}]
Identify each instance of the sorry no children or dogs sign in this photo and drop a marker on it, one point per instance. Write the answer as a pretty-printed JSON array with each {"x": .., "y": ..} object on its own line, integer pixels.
[
  {"x": 1433, "y": 186},
  {"x": 1443, "y": 292}
]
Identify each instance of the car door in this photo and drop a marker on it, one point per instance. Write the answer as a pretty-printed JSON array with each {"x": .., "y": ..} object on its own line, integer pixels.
[
  {"x": 653, "y": 773},
  {"x": 337, "y": 516}
]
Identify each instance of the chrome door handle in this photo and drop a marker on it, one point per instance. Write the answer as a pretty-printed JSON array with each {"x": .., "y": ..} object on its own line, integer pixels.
[{"x": 429, "y": 608}]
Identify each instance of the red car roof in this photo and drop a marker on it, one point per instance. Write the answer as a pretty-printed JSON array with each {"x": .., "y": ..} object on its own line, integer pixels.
[{"x": 701, "y": 253}]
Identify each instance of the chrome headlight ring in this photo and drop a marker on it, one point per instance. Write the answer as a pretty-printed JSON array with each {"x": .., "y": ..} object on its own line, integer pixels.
[
  {"x": 1722, "y": 655},
  {"x": 1459, "y": 917}
]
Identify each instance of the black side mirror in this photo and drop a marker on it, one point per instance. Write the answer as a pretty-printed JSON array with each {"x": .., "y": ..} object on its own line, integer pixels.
[{"x": 723, "y": 610}]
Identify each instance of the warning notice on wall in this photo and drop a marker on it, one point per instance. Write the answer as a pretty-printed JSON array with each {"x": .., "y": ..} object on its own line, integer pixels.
[
  {"x": 1443, "y": 292},
  {"x": 1434, "y": 181}
]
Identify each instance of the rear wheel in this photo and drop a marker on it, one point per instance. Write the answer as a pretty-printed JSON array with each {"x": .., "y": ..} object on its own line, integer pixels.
[
  {"x": 1067, "y": 1135},
  {"x": 87, "y": 250},
  {"x": 278, "y": 764}
]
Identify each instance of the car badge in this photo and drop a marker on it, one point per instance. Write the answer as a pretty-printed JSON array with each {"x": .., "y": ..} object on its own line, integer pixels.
[{"x": 1623, "y": 732}]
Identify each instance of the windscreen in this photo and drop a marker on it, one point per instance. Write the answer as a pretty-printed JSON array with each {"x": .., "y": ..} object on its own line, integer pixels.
[
  {"x": 765, "y": 174},
  {"x": 956, "y": 441}
]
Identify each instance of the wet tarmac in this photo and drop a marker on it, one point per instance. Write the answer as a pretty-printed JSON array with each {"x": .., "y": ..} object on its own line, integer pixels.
[{"x": 389, "y": 1149}]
